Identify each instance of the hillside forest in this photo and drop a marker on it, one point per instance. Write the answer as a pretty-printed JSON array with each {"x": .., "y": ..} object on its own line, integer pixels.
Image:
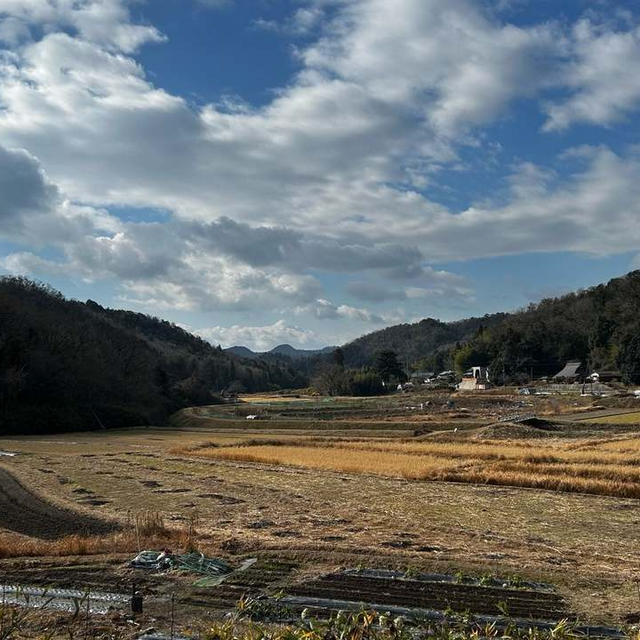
[
  {"x": 67, "y": 365},
  {"x": 599, "y": 326}
]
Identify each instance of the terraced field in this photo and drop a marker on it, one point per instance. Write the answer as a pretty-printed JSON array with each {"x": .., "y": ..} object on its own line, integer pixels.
[{"x": 314, "y": 488}]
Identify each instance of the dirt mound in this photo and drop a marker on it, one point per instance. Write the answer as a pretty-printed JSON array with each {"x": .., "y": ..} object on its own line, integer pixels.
[
  {"x": 510, "y": 430},
  {"x": 25, "y": 512},
  {"x": 541, "y": 423}
]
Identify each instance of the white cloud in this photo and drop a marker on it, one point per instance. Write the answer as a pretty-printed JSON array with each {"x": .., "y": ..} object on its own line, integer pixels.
[
  {"x": 34, "y": 211},
  {"x": 324, "y": 309},
  {"x": 25, "y": 262},
  {"x": 24, "y": 187},
  {"x": 160, "y": 265},
  {"x": 260, "y": 338},
  {"x": 447, "y": 64},
  {"x": 602, "y": 77},
  {"x": 13, "y": 31},
  {"x": 303, "y": 21},
  {"x": 429, "y": 283},
  {"x": 104, "y": 22},
  {"x": 202, "y": 282},
  {"x": 319, "y": 179},
  {"x": 355, "y": 119},
  {"x": 322, "y": 155}
]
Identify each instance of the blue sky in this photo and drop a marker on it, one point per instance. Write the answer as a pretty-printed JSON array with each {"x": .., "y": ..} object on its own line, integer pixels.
[{"x": 307, "y": 171}]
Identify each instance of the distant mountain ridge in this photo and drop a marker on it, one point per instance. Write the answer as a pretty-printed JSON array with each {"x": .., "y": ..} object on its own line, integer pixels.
[
  {"x": 285, "y": 350},
  {"x": 69, "y": 365}
]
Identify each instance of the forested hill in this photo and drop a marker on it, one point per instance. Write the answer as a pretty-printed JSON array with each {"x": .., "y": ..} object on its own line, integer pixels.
[
  {"x": 67, "y": 365},
  {"x": 599, "y": 326},
  {"x": 429, "y": 341}
]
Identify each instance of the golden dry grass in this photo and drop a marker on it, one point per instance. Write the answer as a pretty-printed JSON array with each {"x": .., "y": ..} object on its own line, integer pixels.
[
  {"x": 570, "y": 539},
  {"x": 609, "y": 467},
  {"x": 145, "y": 529},
  {"x": 331, "y": 459},
  {"x": 76, "y": 545}
]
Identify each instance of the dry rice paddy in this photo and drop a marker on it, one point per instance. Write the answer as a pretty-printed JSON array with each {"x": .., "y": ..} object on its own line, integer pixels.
[
  {"x": 586, "y": 544},
  {"x": 607, "y": 467}
]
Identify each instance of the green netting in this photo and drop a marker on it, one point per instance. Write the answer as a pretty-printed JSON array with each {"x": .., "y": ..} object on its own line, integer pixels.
[{"x": 189, "y": 562}]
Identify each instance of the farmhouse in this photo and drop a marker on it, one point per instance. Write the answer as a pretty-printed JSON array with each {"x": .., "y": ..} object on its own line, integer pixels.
[
  {"x": 573, "y": 371},
  {"x": 476, "y": 378}
]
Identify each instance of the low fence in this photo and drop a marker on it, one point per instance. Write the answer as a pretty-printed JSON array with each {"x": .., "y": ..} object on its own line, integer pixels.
[{"x": 588, "y": 387}]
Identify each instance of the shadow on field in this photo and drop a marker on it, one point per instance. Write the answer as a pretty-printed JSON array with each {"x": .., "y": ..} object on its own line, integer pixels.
[{"x": 24, "y": 512}]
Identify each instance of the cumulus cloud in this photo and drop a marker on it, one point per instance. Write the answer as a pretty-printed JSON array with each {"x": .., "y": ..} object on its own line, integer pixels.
[
  {"x": 33, "y": 211},
  {"x": 24, "y": 188},
  {"x": 104, "y": 22},
  {"x": 260, "y": 246},
  {"x": 189, "y": 280},
  {"x": 332, "y": 175},
  {"x": 447, "y": 63},
  {"x": 302, "y": 22},
  {"x": 13, "y": 31},
  {"x": 25, "y": 262},
  {"x": 169, "y": 274},
  {"x": 322, "y": 151},
  {"x": 602, "y": 77},
  {"x": 594, "y": 210},
  {"x": 260, "y": 338},
  {"x": 163, "y": 265}
]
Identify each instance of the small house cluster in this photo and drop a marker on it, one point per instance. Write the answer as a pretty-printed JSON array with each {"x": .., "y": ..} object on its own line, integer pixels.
[{"x": 477, "y": 378}]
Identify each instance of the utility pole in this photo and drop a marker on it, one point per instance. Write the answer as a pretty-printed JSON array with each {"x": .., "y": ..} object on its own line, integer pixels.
[{"x": 173, "y": 614}]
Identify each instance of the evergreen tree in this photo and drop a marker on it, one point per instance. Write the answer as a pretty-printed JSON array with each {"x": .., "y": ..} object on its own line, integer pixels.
[{"x": 388, "y": 366}]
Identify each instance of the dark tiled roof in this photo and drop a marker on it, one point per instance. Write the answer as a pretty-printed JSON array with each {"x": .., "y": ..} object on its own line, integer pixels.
[{"x": 571, "y": 370}]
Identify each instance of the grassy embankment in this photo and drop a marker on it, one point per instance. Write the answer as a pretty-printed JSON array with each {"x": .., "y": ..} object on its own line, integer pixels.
[{"x": 622, "y": 418}]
